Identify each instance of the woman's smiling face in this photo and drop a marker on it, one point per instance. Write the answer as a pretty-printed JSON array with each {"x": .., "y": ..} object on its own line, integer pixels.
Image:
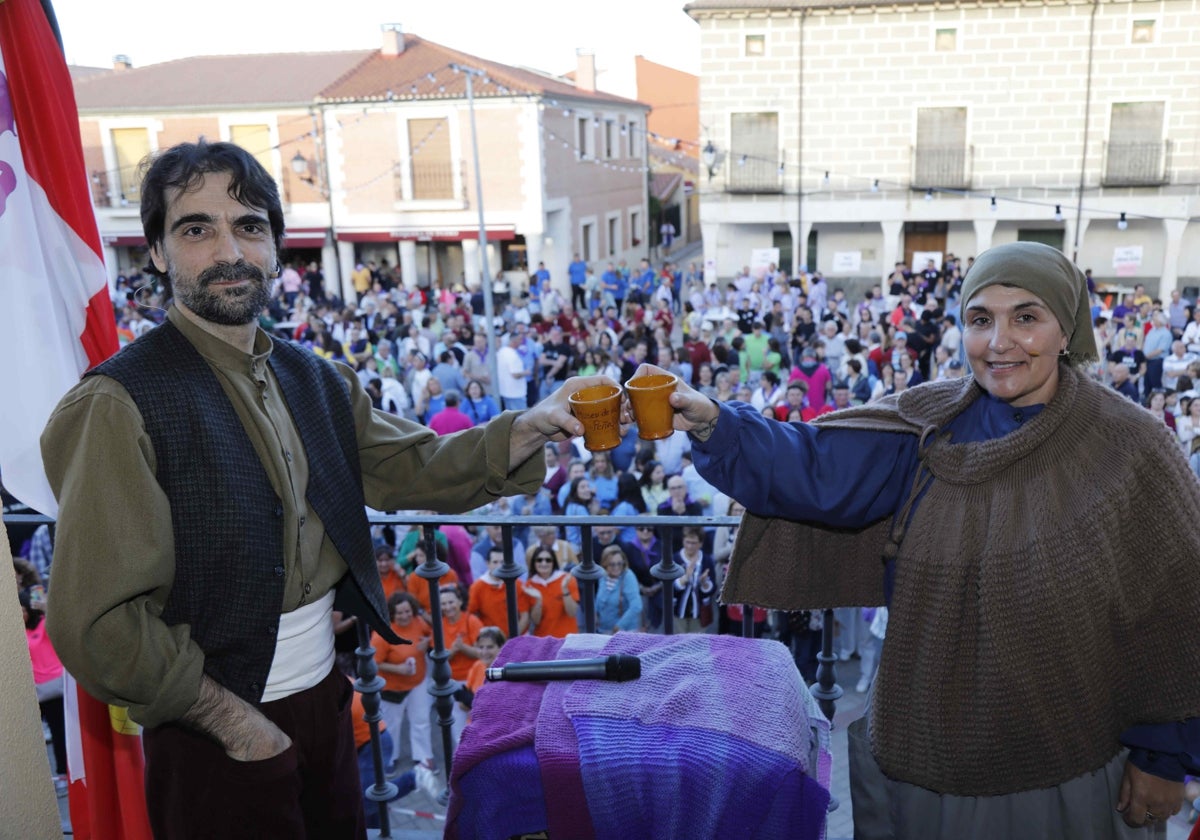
[{"x": 1013, "y": 342}]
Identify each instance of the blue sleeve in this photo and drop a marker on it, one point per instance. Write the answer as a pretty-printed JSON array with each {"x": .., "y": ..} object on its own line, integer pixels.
[
  {"x": 843, "y": 478},
  {"x": 1168, "y": 750}
]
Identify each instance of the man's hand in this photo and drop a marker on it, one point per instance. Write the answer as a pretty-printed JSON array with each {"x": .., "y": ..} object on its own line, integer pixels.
[
  {"x": 552, "y": 420},
  {"x": 244, "y": 731},
  {"x": 694, "y": 412},
  {"x": 1145, "y": 798}
]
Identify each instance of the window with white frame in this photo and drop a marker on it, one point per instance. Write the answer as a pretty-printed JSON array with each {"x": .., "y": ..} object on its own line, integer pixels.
[
  {"x": 1143, "y": 31},
  {"x": 255, "y": 139},
  {"x": 941, "y": 154},
  {"x": 588, "y": 236},
  {"x": 611, "y": 145},
  {"x": 755, "y": 45},
  {"x": 130, "y": 147},
  {"x": 754, "y": 149},
  {"x": 635, "y": 140},
  {"x": 635, "y": 228},
  {"x": 430, "y": 158},
  {"x": 613, "y": 238},
  {"x": 1135, "y": 152},
  {"x": 583, "y": 136}
]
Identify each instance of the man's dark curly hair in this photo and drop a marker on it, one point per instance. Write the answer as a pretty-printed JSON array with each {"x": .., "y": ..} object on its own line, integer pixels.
[{"x": 181, "y": 167}]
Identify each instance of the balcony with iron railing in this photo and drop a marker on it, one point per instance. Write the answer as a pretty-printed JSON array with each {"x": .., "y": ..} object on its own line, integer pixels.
[
  {"x": 430, "y": 180},
  {"x": 442, "y": 688},
  {"x": 748, "y": 175},
  {"x": 1136, "y": 164},
  {"x": 942, "y": 167}
]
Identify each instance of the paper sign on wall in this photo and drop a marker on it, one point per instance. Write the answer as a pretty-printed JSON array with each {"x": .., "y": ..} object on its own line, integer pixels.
[
  {"x": 1127, "y": 260},
  {"x": 847, "y": 262}
]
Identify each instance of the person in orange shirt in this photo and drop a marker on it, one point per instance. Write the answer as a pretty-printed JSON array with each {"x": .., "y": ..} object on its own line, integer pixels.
[
  {"x": 389, "y": 574},
  {"x": 460, "y": 630},
  {"x": 418, "y": 586},
  {"x": 489, "y": 642},
  {"x": 559, "y": 594},
  {"x": 404, "y": 670},
  {"x": 488, "y": 600}
]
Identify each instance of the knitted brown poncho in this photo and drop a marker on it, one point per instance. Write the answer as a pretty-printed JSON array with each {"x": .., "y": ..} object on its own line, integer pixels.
[{"x": 1047, "y": 590}]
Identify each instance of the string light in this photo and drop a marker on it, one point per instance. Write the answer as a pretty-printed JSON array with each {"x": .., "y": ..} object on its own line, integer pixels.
[
  {"x": 1058, "y": 216},
  {"x": 1121, "y": 223},
  {"x": 994, "y": 208},
  {"x": 875, "y": 185},
  {"x": 929, "y": 194}
]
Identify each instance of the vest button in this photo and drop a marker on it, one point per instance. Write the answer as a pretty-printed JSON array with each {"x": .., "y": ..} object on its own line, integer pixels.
[
  {"x": 278, "y": 510},
  {"x": 255, "y": 687},
  {"x": 303, "y": 519},
  {"x": 272, "y": 629},
  {"x": 1018, "y": 417},
  {"x": 279, "y": 571},
  {"x": 307, "y": 588}
]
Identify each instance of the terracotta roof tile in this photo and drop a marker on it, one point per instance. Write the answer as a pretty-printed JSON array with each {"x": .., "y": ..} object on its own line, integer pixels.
[
  {"x": 217, "y": 80},
  {"x": 423, "y": 71}
]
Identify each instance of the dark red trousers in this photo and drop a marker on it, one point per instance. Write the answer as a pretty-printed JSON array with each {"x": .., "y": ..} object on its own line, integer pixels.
[{"x": 311, "y": 790}]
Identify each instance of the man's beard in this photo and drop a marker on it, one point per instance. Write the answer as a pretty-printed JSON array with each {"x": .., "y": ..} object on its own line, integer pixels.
[{"x": 231, "y": 307}]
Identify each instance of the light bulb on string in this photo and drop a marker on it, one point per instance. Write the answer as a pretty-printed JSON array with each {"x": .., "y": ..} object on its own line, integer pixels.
[
  {"x": 875, "y": 185},
  {"x": 1122, "y": 223},
  {"x": 929, "y": 194},
  {"x": 994, "y": 204},
  {"x": 1058, "y": 216}
]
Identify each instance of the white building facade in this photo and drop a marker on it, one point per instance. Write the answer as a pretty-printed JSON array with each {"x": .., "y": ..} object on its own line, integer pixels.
[{"x": 852, "y": 136}]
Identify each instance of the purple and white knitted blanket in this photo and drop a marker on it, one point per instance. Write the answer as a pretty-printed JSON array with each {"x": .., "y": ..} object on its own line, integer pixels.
[{"x": 718, "y": 738}]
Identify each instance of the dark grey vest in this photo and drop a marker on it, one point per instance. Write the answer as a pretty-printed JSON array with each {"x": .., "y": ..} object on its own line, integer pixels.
[{"x": 226, "y": 517}]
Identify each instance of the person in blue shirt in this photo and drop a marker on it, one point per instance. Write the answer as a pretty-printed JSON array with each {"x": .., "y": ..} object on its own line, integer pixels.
[
  {"x": 613, "y": 285},
  {"x": 577, "y": 271},
  {"x": 539, "y": 283},
  {"x": 994, "y": 500}
]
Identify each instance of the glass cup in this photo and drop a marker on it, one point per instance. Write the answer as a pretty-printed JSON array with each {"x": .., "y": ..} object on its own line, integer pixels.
[
  {"x": 648, "y": 395},
  {"x": 598, "y": 408}
]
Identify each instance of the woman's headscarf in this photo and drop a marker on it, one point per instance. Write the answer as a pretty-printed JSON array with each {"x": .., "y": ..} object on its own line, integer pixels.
[{"x": 1047, "y": 273}]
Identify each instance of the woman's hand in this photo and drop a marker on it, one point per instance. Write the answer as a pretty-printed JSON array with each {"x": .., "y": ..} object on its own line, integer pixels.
[
  {"x": 1145, "y": 798},
  {"x": 694, "y": 412}
]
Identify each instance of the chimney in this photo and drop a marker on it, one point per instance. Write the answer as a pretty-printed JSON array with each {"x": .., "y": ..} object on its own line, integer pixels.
[
  {"x": 585, "y": 70},
  {"x": 393, "y": 39},
  {"x": 122, "y": 63}
]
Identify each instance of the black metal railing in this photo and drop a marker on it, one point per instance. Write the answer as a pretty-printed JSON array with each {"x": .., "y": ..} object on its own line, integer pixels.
[
  {"x": 430, "y": 180},
  {"x": 947, "y": 167},
  {"x": 1137, "y": 164},
  {"x": 588, "y": 573}
]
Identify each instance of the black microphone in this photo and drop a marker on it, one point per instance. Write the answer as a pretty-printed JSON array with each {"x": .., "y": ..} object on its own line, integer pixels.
[{"x": 618, "y": 667}]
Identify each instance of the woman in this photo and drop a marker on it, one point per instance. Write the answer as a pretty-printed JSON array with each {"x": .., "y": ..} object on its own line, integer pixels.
[
  {"x": 560, "y": 594},
  {"x": 47, "y": 679},
  {"x": 581, "y": 501},
  {"x": 654, "y": 485},
  {"x": 723, "y": 391},
  {"x": 403, "y": 668},
  {"x": 1187, "y": 425},
  {"x": 588, "y": 367},
  {"x": 1156, "y": 403},
  {"x": 489, "y": 642},
  {"x": 618, "y": 604},
  {"x": 1075, "y": 602},
  {"x": 704, "y": 380},
  {"x": 630, "y": 502},
  {"x": 908, "y": 372},
  {"x": 478, "y": 405},
  {"x": 460, "y": 631},
  {"x": 604, "y": 480}
]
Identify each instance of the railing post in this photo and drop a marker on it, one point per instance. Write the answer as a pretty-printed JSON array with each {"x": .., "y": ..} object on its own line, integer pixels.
[
  {"x": 747, "y": 621},
  {"x": 369, "y": 684},
  {"x": 443, "y": 687},
  {"x": 826, "y": 690},
  {"x": 510, "y": 573},
  {"x": 668, "y": 571},
  {"x": 588, "y": 574}
]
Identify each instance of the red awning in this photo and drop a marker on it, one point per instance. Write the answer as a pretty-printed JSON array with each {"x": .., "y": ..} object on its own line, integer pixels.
[
  {"x": 125, "y": 241},
  {"x": 431, "y": 235}
]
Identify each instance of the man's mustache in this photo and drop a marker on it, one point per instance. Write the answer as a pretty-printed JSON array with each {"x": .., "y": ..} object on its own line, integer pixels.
[{"x": 240, "y": 270}]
